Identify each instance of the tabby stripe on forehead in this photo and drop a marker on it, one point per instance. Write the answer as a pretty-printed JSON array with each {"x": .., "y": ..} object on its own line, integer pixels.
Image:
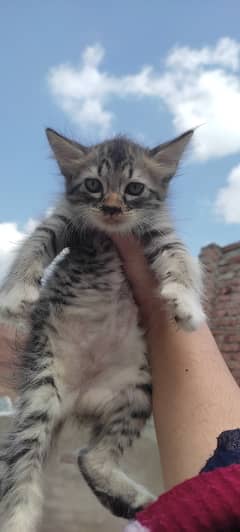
[
  {"x": 130, "y": 171},
  {"x": 101, "y": 165},
  {"x": 130, "y": 168}
]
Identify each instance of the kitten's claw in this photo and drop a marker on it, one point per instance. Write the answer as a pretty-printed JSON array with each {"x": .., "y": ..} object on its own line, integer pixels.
[{"x": 184, "y": 305}]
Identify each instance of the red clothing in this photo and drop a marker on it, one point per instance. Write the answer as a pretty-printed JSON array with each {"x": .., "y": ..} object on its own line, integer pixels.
[{"x": 209, "y": 502}]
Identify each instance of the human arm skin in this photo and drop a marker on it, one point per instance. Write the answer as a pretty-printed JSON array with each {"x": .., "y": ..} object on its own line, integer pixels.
[{"x": 195, "y": 397}]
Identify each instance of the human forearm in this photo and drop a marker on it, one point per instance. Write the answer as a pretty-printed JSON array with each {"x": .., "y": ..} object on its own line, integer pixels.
[
  {"x": 194, "y": 398},
  {"x": 194, "y": 395}
]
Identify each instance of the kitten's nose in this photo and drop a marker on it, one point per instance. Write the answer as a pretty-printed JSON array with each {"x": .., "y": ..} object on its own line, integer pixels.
[
  {"x": 111, "y": 209},
  {"x": 112, "y": 204}
]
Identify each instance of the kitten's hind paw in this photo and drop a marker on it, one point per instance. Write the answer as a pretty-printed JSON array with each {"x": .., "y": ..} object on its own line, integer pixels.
[
  {"x": 113, "y": 488},
  {"x": 121, "y": 506},
  {"x": 184, "y": 305}
]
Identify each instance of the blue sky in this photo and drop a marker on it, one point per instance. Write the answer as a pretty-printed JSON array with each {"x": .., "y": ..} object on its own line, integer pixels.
[{"x": 80, "y": 67}]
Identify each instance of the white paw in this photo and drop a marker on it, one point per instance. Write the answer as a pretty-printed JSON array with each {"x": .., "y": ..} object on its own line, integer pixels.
[
  {"x": 135, "y": 526},
  {"x": 144, "y": 498},
  {"x": 184, "y": 305}
]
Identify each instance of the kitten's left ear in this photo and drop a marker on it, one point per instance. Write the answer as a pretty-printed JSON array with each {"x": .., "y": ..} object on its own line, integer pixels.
[
  {"x": 169, "y": 154},
  {"x": 68, "y": 153}
]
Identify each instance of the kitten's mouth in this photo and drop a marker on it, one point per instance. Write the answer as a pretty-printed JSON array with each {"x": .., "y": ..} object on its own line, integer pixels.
[
  {"x": 113, "y": 222},
  {"x": 113, "y": 219}
]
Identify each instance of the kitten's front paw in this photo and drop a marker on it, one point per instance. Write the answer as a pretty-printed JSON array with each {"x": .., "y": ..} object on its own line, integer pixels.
[{"x": 185, "y": 306}]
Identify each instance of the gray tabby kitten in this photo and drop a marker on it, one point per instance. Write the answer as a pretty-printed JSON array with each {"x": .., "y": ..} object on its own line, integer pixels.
[{"x": 85, "y": 355}]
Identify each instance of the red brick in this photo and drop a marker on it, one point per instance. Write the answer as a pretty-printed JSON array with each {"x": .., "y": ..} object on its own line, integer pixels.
[
  {"x": 222, "y": 272},
  {"x": 232, "y": 338},
  {"x": 230, "y": 247}
]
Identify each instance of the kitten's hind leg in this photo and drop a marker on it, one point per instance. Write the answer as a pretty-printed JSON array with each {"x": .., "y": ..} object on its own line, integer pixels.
[
  {"x": 115, "y": 430},
  {"x": 25, "y": 453}
]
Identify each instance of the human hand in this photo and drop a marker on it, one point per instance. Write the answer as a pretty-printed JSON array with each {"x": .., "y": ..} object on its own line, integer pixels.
[{"x": 142, "y": 280}]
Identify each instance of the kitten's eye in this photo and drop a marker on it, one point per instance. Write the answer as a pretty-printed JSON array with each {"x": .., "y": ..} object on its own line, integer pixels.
[
  {"x": 134, "y": 188},
  {"x": 93, "y": 185}
]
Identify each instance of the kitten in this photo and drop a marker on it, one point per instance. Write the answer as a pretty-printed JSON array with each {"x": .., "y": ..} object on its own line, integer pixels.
[{"x": 85, "y": 355}]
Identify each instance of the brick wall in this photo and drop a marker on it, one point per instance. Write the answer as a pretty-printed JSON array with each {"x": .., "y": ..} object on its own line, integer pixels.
[{"x": 222, "y": 266}]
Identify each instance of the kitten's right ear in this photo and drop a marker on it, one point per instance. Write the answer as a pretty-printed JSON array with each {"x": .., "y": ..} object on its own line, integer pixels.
[
  {"x": 169, "y": 154},
  {"x": 68, "y": 153}
]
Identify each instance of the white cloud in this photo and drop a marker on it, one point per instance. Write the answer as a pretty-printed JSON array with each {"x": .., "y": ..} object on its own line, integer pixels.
[
  {"x": 30, "y": 225},
  {"x": 227, "y": 204},
  {"x": 82, "y": 92},
  {"x": 198, "y": 86},
  {"x": 225, "y": 53},
  {"x": 10, "y": 237}
]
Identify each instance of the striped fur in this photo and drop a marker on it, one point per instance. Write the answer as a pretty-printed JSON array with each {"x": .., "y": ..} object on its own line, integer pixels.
[{"x": 86, "y": 355}]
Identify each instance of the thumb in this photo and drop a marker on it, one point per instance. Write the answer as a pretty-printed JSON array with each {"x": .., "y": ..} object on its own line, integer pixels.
[{"x": 137, "y": 270}]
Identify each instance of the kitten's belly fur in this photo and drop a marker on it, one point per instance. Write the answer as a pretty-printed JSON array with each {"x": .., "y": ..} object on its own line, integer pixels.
[
  {"x": 90, "y": 350},
  {"x": 99, "y": 346}
]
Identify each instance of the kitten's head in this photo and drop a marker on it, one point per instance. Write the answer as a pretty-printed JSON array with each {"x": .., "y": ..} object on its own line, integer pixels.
[{"x": 116, "y": 186}]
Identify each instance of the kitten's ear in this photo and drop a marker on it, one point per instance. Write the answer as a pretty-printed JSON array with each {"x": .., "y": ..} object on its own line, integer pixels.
[
  {"x": 169, "y": 154},
  {"x": 68, "y": 154}
]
